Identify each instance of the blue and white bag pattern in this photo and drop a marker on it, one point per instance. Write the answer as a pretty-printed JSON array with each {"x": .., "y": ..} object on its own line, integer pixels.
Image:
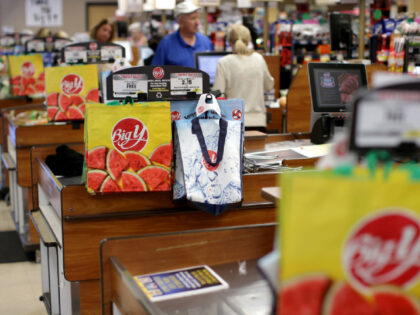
[{"x": 208, "y": 154}]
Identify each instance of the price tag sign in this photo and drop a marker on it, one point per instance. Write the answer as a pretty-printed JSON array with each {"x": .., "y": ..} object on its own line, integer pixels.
[
  {"x": 386, "y": 120},
  {"x": 75, "y": 54},
  {"x": 7, "y": 41},
  {"x": 157, "y": 82},
  {"x": 111, "y": 52},
  {"x": 129, "y": 85},
  {"x": 60, "y": 43},
  {"x": 35, "y": 45},
  {"x": 182, "y": 83},
  {"x": 91, "y": 52}
]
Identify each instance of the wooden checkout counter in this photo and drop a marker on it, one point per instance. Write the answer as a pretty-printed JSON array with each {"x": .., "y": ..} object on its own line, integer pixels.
[
  {"x": 16, "y": 159},
  {"x": 6, "y": 105},
  {"x": 221, "y": 249},
  {"x": 73, "y": 223}
]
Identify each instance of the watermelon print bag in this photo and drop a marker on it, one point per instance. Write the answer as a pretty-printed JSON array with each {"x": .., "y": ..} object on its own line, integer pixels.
[
  {"x": 350, "y": 243},
  {"x": 128, "y": 148},
  {"x": 208, "y": 150}
]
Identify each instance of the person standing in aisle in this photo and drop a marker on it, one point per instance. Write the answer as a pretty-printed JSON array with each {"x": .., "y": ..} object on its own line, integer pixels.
[
  {"x": 178, "y": 48},
  {"x": 103, "y": 31},
  {"x": 244, "y": 74}
]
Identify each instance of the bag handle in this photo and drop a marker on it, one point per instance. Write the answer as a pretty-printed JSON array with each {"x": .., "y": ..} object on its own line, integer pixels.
[
  {"x": 196, "y": 129},
  {"x": 205, "y": 103}
]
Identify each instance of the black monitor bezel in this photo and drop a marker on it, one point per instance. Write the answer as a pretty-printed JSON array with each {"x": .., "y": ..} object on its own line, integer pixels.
[
  {"x": 332, "y": 66},
  {"x": 197, "y": 55}
]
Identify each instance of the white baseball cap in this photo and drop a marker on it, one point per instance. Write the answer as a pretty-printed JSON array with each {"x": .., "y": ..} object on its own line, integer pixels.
[
  {"x": 185, "y": 7},
  {"x": 134, "y": 27}
]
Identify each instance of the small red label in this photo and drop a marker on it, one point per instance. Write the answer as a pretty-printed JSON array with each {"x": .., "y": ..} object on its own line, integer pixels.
[
  {"x": 213, "y": 158},
  {"x": 28, "y": 69},
  {"x": 129, "y": 134},
  {"x": 72, "y": 84},
  {"x": 93, "y": 46},
  {"x": 237, "y": 114},
  {"x": 383, "y": 249},
  {"x": 158, "y": 73},
  {"x": 200, "y": 109},
  {"x": 175, "y": 115}
]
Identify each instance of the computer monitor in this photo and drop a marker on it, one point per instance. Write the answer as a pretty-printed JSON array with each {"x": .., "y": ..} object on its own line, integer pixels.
[
  {"x": 333, "y": 85},
  {"x": 207, "y": 62}
]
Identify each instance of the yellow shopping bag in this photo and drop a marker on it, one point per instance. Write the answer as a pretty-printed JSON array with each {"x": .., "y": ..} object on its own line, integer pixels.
[
  {"x": 349, "y": 244},
  {"x": 68, "y": 89},
  {"x": 26, "y": 75},
  {"x": 128, "y": 148}
]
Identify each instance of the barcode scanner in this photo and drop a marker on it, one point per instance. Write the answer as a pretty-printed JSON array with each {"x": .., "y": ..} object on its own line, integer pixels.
[{"x": 323, "y": 129}]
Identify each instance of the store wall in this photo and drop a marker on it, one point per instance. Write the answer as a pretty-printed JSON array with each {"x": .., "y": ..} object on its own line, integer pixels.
[
  {"x": 12, "y": 13},
  {"x": 413, "y": 6}
]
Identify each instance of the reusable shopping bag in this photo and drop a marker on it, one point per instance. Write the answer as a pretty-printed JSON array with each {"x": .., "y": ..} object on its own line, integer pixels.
[
  {"x": 208, "y": 151},
  {"x": 26, "y": 75},
  {"x": 128, "y": 148},
  {"x": 68, "y": 89},
  {"x": 350, "y": 243}
]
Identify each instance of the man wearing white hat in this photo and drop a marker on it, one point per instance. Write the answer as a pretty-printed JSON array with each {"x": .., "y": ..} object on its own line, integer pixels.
[{"x": 178, "y": 48}]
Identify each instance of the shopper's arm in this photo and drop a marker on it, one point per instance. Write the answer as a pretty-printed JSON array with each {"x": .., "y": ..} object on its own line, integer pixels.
[{"x": 268, "y": 79}]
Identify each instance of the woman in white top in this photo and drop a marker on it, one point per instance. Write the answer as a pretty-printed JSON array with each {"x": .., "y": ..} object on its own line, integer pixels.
[{"x": 244, "y": 74}]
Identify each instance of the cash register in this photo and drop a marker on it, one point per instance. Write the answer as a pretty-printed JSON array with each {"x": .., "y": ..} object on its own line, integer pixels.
[{"x": 332, "y": 87}]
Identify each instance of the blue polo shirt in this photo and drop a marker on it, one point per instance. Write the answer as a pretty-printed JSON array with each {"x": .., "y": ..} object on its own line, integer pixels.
[{"x": 173, "y": 50}]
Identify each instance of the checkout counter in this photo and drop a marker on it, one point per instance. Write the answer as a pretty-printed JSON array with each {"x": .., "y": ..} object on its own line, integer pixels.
[
  {"x": 72, "y": 224},
  {"x": 16, "y": 159}
]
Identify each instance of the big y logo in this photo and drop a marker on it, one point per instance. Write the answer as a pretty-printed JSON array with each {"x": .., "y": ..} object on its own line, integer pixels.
[
  {"x": 129, "y": 134},
  {"x": 28, "y": 69},
  {"x": 158, "y": 73},
  {"x": 175, "y": 115},
  {"x": 93, "y": 46},
  {"x": 71, "y": 84},
  {"x": 383, "y": 249},
  {"x": 213, "y": 158}
]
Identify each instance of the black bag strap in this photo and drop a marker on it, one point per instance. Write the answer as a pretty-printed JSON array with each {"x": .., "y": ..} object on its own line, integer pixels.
[{"x": 196, "y": 129}]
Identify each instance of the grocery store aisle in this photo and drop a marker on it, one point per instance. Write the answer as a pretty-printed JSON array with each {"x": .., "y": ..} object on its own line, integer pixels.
[{"x": 20, "y": 283}]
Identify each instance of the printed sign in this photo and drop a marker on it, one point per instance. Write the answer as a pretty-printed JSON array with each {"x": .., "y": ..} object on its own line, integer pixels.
[
  {"x": 129, "y": 84},
  {"x": 159, "y": 83},
  {"x": 48, "y": 44},
  {"x": 111, "y": 52},
  {"x": 180, "y": 283},
  {"x": 182, "y": 83},
  {"x": 387, "y": 120},
  {"x": 44, "y": 13},
  {"x": 91, "y": 52}
]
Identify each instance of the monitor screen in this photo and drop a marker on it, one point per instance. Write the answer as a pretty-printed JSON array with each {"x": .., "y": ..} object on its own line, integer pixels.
[
  {"x": 333, "y": 85},
  {"x": 207, "y": 62}
]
